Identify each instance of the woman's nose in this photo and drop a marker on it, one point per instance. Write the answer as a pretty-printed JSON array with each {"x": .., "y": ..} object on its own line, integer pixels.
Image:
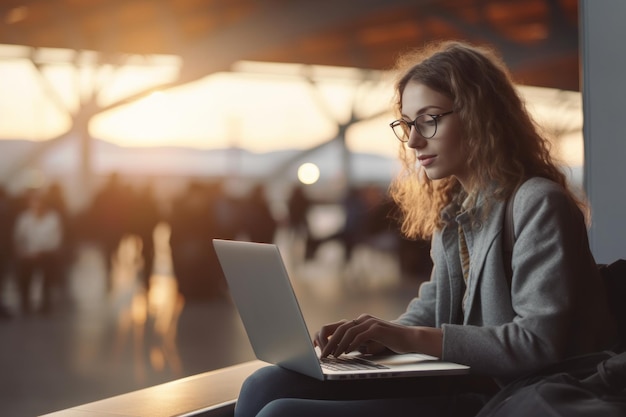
[{"x": 416, "y": 141}]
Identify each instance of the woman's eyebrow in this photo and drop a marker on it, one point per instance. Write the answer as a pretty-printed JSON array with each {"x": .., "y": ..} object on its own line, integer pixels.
[{"x": 423, "y": 110}]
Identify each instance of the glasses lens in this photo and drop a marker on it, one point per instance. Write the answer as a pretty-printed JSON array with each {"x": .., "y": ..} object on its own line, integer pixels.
[
  {"x": 401, "y": 129},
  {"x": 426, "y": 125}
]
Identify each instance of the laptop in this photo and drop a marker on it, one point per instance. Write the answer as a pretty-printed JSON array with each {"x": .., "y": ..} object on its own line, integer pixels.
[{"x": 262, "y": 292}]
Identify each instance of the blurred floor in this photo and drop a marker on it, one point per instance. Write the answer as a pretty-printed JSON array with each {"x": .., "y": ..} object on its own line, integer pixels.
[{"x": 96, "y": 345}]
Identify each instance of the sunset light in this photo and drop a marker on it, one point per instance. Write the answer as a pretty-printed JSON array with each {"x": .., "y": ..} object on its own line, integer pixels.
[{"x": 260, "y": 107}]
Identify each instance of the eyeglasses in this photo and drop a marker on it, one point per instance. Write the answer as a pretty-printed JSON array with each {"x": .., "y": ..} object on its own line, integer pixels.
[{"x": 425, "y": 124}]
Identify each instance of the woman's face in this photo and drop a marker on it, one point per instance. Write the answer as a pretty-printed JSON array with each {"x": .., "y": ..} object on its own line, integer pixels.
[{"x": 442, "y": 155}]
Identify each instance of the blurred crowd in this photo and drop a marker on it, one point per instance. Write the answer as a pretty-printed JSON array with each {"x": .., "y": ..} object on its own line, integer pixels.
[{"x": 40, "y": 236}]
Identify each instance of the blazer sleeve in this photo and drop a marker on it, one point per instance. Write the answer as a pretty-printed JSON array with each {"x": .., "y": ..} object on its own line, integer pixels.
[{"x": 421, "y": 310}]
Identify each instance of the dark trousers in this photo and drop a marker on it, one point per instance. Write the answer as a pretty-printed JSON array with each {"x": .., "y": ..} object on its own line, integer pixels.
[{"x": 276, "y": 392}]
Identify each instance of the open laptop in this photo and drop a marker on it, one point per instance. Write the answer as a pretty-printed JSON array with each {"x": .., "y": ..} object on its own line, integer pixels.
[{"x": 262, "y": 291}]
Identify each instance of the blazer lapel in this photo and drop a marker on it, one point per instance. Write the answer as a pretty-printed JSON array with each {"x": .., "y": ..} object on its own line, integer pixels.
[
  {"x": 450, "y": 244},
  {"x": 481, "y": 238}
]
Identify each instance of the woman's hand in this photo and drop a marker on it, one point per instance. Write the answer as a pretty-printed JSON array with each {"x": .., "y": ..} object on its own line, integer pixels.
[
  {"x": 322, "y": 338},
  {"x": 369, "y": 334}
]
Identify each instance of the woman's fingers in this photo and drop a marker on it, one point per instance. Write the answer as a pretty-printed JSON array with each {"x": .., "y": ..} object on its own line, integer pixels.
[
  {"x": 336, "y": 337},
  {"x": 359, "y": 336},
  {"x": 321, "y": 337},
  {"x": 344, "y": 334}
]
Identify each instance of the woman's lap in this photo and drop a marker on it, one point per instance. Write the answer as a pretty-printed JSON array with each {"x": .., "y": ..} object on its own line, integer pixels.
[{"x": 279, "y": 392}]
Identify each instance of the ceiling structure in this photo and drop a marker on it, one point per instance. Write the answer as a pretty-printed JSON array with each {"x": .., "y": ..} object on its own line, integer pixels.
[{"x": 537, "y": 38}]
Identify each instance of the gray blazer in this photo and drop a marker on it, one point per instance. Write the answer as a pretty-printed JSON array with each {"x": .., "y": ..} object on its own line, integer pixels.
[{"x": 555, "y": 306}]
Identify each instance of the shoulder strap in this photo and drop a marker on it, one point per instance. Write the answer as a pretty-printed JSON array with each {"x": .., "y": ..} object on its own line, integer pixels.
[{"x": 508, "y": 237}]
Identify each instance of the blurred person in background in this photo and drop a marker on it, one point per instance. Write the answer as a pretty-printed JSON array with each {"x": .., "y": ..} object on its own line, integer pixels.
[
  {"x": 109, "y": 218},
  {"x": 143, "y": 218},
  {"x": 225, "y": 211},
  {"x": 55, "y": 199},
  {"x": 298, "y": 206},
  {"x": 193, "y": 225},
  {"x": 258, "y": 221},
  {"x": 38, "y": 238}
]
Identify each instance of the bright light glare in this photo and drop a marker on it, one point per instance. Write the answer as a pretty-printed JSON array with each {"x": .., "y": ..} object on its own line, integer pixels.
[{"x": 308, "y": 173}]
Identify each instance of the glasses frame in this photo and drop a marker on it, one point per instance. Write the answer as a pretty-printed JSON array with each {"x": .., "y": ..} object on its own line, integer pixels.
[{"x": 413, "y": 123}]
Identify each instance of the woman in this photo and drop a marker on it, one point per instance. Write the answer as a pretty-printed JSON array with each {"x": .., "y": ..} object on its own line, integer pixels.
[{"x": 470, "y": 145}]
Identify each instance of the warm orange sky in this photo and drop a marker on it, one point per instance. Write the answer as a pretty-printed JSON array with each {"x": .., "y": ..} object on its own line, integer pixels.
[
  {"x": 255, "y": 109},
  {"x": 260, "y": 107}
]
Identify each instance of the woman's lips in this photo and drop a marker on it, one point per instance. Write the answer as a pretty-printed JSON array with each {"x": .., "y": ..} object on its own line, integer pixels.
[{"x": 426, "y": 160}]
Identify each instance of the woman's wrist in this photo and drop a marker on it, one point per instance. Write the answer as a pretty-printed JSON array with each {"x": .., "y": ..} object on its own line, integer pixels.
[{"x": 430, "y": 341}]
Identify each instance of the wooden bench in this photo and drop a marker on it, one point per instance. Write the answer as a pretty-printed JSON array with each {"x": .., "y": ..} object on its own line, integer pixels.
[{"x": 209, "y": 394}]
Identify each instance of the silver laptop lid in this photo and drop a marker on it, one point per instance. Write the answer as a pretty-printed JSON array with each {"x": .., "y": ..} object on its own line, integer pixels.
[{"x": 269, "y": 310}]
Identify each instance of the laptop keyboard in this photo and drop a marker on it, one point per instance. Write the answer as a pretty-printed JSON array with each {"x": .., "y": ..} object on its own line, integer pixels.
[{"x": 350, "y": 363}]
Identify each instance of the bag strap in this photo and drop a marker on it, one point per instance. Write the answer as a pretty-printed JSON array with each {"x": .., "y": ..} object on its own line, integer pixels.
[{"x": 508, "y": 236}]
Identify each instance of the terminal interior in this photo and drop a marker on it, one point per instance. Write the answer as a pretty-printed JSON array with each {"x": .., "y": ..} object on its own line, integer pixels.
[{"x": 109, "y": 333}]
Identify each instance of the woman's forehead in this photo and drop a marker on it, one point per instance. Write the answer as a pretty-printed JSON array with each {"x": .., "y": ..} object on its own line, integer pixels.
[{"x": 419, "y": 98}]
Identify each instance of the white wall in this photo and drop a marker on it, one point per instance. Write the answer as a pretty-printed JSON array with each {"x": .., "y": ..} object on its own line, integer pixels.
[{"x": 603, "y": 30}]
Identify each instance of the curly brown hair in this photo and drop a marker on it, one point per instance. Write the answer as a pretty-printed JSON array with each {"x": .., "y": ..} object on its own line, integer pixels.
[{"x": 503, "y": 144}]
